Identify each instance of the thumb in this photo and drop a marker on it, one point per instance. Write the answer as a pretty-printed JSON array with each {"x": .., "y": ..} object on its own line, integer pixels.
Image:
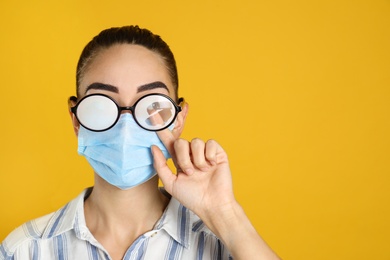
[{"x": 162, "y": 169}]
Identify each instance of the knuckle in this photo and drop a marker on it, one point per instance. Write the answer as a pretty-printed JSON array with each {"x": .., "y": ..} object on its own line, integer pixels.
[
  {"x": 180, "y": 143},
  {"x": 196, "y": 139},
  {"x": 197, "y": 142},
  {"x": 212, "y": 142}
]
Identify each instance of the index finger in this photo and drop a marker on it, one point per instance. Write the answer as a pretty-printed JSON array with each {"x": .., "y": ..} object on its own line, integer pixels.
[{"x": 168, "y": 139}]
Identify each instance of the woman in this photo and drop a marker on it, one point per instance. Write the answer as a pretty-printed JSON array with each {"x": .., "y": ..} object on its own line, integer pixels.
[{"x": 128, "y": 119}]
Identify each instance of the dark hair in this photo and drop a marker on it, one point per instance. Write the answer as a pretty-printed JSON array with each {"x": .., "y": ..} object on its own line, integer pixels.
[{"x": 127, "y": 35}]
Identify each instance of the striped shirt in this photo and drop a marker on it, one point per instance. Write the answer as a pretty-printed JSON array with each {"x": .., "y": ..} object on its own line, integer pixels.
[{"x": 179, "y": 234}]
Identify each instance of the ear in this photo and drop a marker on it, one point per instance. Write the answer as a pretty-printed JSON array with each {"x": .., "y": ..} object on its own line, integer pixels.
[
  {"x": 75, "y": 122},
  {"x": 180, "y": 121}
]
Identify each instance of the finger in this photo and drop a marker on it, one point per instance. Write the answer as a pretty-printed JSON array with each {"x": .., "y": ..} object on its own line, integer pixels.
[
  {"x": 212, "y": 149},
  {"x": 155, "y": 118},
  {"x": 198, "y": 154},
  {"x": 183, "y": 156},
  {"x": 168, "y": 139},
  {"x": 162, "y": 169}
]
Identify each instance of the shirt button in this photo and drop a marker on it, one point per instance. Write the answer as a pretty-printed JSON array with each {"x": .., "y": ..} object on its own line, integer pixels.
[{"x": 155, "y": 233}]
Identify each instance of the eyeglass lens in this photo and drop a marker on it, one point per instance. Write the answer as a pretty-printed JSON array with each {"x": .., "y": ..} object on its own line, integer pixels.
[
  {"x": 154, "y": 112},
  {"x": 151, "y": 112}
]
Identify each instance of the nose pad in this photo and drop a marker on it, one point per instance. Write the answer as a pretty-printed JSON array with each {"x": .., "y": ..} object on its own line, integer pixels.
[{"x": 126, "y": 110}]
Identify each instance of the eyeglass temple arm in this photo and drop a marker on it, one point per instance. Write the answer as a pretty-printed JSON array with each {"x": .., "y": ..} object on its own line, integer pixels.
[
  {"x": 71, "y": 100},
  {"x": 181, "y": 101}
]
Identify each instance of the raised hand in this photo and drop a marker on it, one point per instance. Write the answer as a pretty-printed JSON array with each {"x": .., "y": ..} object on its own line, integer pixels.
[
  {"x": 203, "y": 184},
  {"x": 203, "y": 180}
]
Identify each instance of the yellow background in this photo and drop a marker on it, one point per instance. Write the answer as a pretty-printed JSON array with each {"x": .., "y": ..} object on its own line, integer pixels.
[{"x": 296, "y": 91}]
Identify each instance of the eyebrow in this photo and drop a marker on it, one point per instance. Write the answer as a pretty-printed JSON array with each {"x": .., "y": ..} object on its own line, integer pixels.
[
  {"x": 153, "y": 85},
  {"x": 111, "y": 88},
  {"x": 102, "y": 86}
]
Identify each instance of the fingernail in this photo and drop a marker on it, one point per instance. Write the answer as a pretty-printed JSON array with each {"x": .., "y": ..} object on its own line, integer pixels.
[
  {"x": 189, "y": 171},
  {"x": 204, "y": 169},
  {"x": 213, "y": 162}
]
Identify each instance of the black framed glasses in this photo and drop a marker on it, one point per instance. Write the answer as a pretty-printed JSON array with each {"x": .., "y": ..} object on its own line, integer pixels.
[{"x": 99, "y": 112}]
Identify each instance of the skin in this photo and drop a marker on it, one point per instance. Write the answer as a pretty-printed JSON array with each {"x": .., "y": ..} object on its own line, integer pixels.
[{"x": 203, "y": 181}]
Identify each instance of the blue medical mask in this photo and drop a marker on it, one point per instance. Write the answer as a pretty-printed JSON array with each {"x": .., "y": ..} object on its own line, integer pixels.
[{"x": 121, "y": 155}]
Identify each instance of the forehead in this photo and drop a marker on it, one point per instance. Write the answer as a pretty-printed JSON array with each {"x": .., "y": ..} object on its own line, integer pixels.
[{"x": 127, "y": 67}]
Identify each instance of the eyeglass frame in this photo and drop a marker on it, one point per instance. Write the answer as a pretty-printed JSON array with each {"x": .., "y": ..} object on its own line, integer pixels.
[{"x": 73, "y": 109}]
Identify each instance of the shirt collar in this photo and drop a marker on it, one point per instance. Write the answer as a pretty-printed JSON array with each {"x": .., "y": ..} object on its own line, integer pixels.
[
  {"x": 69, "y": 217},
  {"x": 176, "y": 220}
]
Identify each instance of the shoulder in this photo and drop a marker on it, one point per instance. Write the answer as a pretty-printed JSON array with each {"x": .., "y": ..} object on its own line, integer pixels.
[
  {"x": 24, "y": 234},
  {"x": 43, "y": 228}
]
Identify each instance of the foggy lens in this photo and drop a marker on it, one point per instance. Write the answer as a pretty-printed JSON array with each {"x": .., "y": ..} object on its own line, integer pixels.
[{"x": 97, "y": 112}]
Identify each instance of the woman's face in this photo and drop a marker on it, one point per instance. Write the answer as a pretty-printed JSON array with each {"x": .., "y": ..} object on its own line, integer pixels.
[{"x": 126, "y": 72}]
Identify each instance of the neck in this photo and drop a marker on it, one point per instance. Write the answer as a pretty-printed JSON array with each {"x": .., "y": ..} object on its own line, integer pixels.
[{"x": 112, "y": 212}]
